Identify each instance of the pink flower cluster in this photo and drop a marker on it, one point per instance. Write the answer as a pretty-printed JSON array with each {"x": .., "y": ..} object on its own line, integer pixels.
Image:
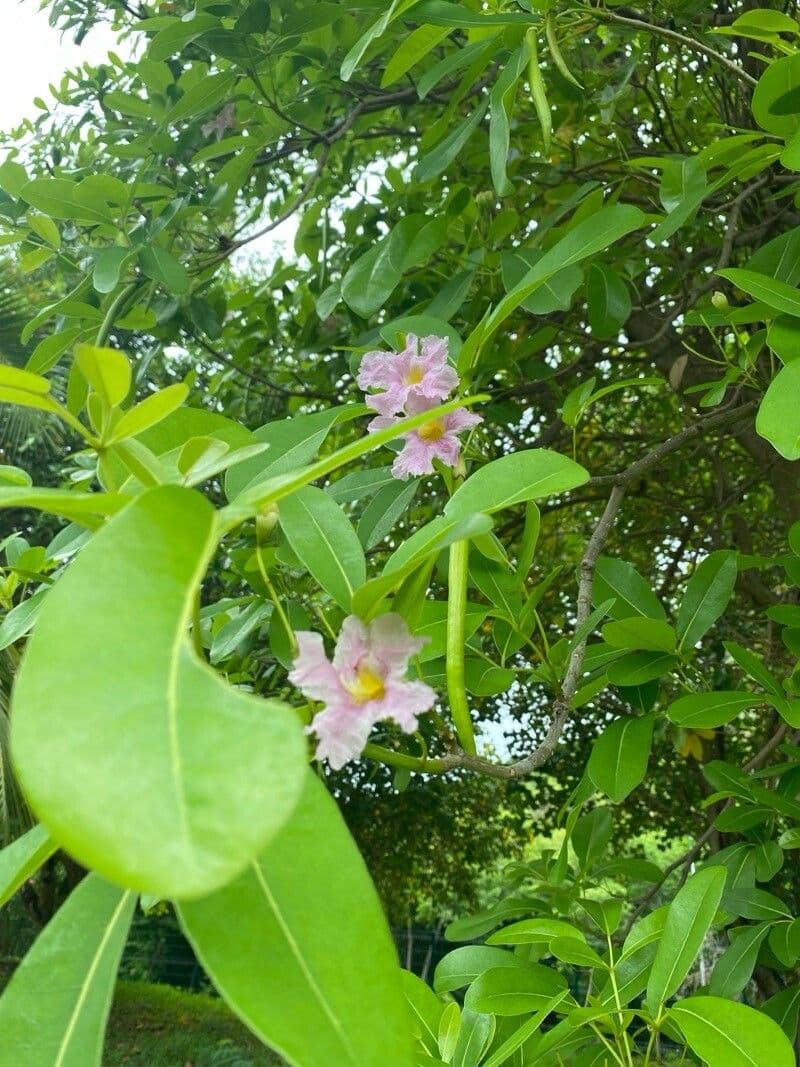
[
  {"x": 363, "y": 684},
  {"x": 410, "y": 382}
]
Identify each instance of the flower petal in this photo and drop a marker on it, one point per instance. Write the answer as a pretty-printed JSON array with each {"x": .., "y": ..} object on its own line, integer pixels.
[
  {"x": 312, "y": 672},
  {"x": 342, "y": 731},
  {"x": 351, "y": 647},
  {"x": 392, "y": 646},
  {"x": 404, "y": 701}
]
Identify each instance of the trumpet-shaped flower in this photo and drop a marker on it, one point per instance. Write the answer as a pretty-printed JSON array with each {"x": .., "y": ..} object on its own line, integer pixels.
[
  {"x": 437, "y": 439},
  {"x": 363, "y": 684},
  {"x": 418, "y": 374}
]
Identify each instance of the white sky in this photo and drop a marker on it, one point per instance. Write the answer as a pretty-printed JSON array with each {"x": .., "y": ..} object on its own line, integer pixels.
[{"x": 33, "y": 54}]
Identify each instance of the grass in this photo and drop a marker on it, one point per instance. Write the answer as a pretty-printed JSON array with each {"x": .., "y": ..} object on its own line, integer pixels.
[{"x": 159, "y": 1026}]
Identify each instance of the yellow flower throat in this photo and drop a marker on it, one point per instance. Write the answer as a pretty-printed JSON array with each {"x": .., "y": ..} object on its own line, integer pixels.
[
  {"x": 432, "y": 431},
  {"x": 367, "y": 685}
]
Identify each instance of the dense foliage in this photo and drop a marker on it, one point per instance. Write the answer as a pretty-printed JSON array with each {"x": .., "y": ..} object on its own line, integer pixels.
[{"x": 577, "y": 617}]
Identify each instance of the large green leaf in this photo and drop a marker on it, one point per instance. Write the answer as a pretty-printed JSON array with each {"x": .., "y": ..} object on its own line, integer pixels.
[
  {"x": 775, "y": 293},
  {"x": 726, "y": 1034},
  {"x": 734, "y": 968},
  {"x": 591, "y": 235},
  {"x": 463, "y": 965},
  {"x": 323, "y": 539},
  {"x": 299, "y": 948},
  {"x": 618, "y": 762},
  {"x": 514, "y": 991},
  {"x": 292, "y": 443},
  {"x": 20, "y": 859},
  {"x": 161, "y": 777},
  {"x": 706, "y": 597},
  {"x": 708, "y": 710},
  {"x": 618, "y": 580},
  {"x": 53, "y": 1012},
  {"x": 778, "y": 419},
  {"x": 526, "y": 475},
  {"x": 689, "y": 919}
]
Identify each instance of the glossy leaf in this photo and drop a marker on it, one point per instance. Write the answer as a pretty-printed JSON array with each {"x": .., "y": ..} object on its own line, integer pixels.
[
  {"x": 53, "y": 1011},
  {"x": 514, "y": 991},
  {"x": 183, "y": 726},
  {"x": 689, "y": 919},
  {"x": 22, "y": 858},
  {"x": 726, "y": 1034},
  {"x": 619, "y": 758},
  {"x": 706, "y": 597},
  {"x": 323, "y": 539},
  {"x": 618, "y": 580},
  {"x": 265, "y": 940},
  {"x": 708, "y": 710},
  {"x": 521, "y": 476},
  {"x": 778, "y": 419}
]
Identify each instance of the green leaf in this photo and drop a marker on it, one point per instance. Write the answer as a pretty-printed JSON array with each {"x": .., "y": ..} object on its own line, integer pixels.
[
  {"x": 371, "y": 280},
  {"x": 323, "y": 539},
  {"x": 84, "y": 508},
  {"x": 637, "y": 668},
  {"x": 209, "y": 92},
  {"x": 784, "y": 1008},
  {"x": 183, "y": 726},
  {"x": 150, "y": 411},
  {"x": 292, "y": 444},
  {"x": 650, "y": 635},
  {"x": 778, "y": 418},
  {"x": 617, "y": 579},
  {"x": 534, "y": 932},
  {"x": 591, "y": 835},
  {"x": 44, "y": 226},
  {"x": 266, "y": 943},
  {"x": 638, "y": 953},
  {"x": 775, "y": 293},
  {"x": 708, "y": 710},
  {"x": 475, "y": 1035},
  {"x": 446, "y": 152},
  {"x": 526, "y": 475},
  {"x": 753, "y": 665},
  {"x": 726, "y": 1034},
  {"x": 412, "y": 49},
  {"x": 425, "y": 1007},
  {"x": 55, "y": 197},
  {"x": 502, "y": 103},
  {"x": 463, "y": 965},
  {"x": 107, "y": 371},
  {"x": 13, "y": 177},
  {"x": 609, "y": 301},
  {"x": 108, "y": 266},
  {"x": 20, "y": 620},
  {"x": 735, "y": 966},
  {"x": 22, "y": 858},
  {"x": 53, "y": 1012},
  {"x": 781, "y": 77},
  {"x": 706, "y": 597},
  {"x": 516, "y": 1040},
  {"x": 587, "y": 237},
  {"x": 383, "y": 511},
  {"x": 576, "y": 952},
  {"x": 689, "y": 919},
  {"x": 47, "y": 353},
  {"x": 514, "y": 991},
  {"x": 160, "y": 265},
  {"x": 619, "y": 757},
  {"x": 376, "y": 30}
]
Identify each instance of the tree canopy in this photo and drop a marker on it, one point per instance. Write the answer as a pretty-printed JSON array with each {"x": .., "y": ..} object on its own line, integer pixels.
[{"x": 577, "y": 221}]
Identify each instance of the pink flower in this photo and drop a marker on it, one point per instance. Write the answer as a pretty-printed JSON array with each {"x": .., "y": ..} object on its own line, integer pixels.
[
  {"x": 433, "y": 440},
  {"x": 365, "y": 683},
  {"x": 420, "y": 373}
]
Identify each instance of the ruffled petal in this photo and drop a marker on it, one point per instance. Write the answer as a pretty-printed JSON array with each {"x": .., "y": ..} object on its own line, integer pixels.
[
  {"x": 404, "y": 701},
  {"x": 415, "y": 459},
  {"x": 312, "y": 672},
  {"x": 342, "y": 732},
  {"x": 447, "y": 449},
  {"x": 351, "y": 647},
  {"x": 375, "y": 370},
  {"x": 461, "y": 419},
  {"x": 392, "y": 646}
]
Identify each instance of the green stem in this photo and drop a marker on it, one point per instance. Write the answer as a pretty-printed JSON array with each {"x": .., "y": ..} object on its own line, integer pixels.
[
  {"x": 456, "y": 641},
  {"x": 277, "y": 604},
  {"x": 401, "y": 759},
  {"x": 111, "y": 313},
  {"x": 612, "y": 976}
]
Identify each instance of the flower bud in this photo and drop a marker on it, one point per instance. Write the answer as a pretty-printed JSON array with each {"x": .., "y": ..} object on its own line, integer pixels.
[
  {"x": 266, "y": 521},
  {"x": 720, "y": 301}
]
